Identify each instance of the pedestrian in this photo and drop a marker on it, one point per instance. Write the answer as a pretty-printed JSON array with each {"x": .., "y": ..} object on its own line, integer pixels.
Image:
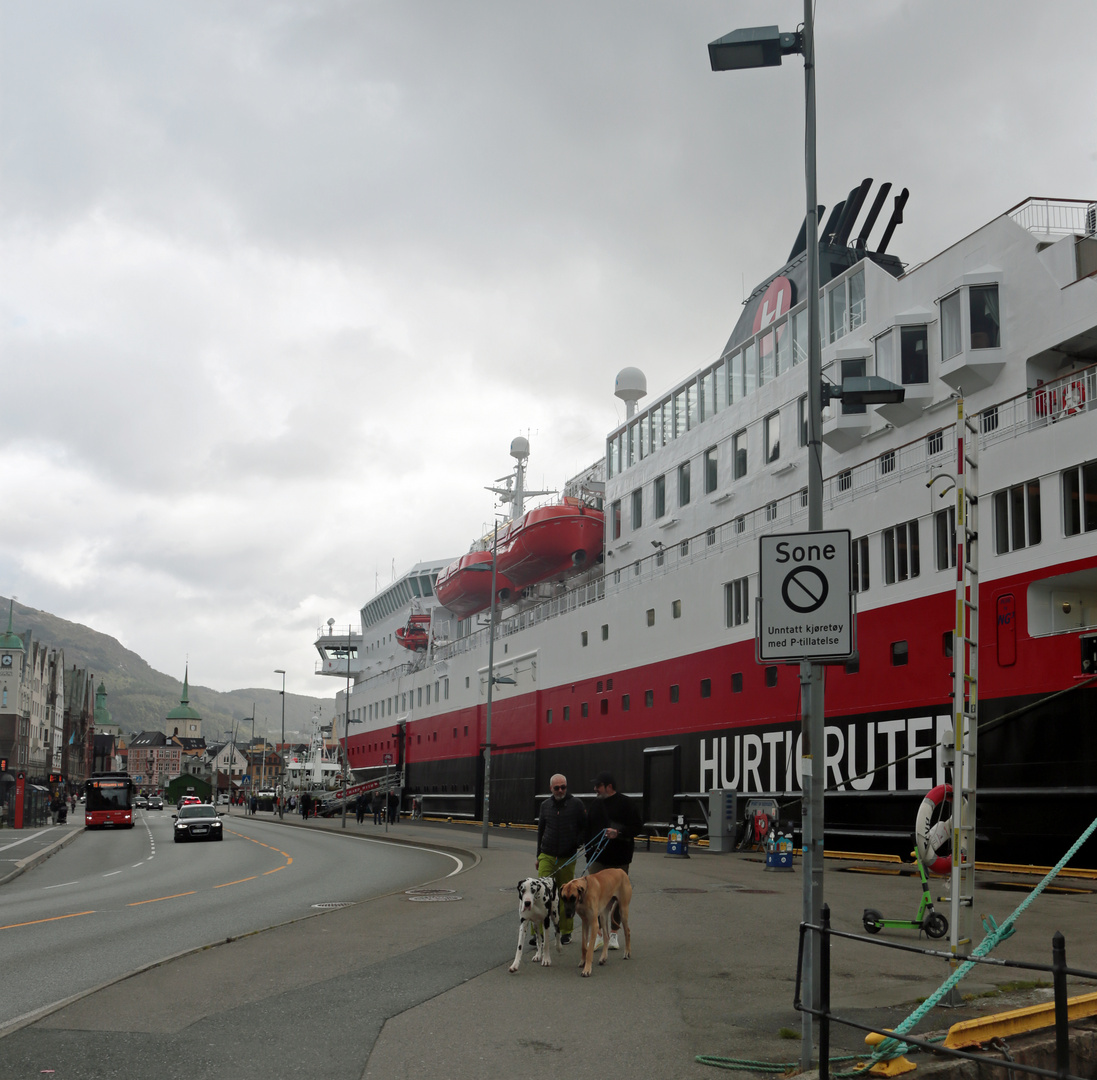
[
  {"x": 378, "y": 804},
  {"x": 253, "y": 805},
  {"x": 616, "y": 814},
  {"x": 360, "y": 808},
  {"x": 561, "y": 828},
  {"x": 305, "y": 803},
  {"x": 394, "y": 807}
]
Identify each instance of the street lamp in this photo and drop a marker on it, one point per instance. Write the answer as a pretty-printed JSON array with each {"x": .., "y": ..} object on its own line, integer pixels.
[
  {"x": 764, "y": 46},
  {"x": 492, "y": 680},
  {"x": 282, "y": 752}
]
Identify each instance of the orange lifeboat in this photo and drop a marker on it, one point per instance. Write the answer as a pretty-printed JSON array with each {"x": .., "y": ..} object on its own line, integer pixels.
[
  {"x": 415, "y": 635},
  {"x": 465, "y": 590},
  {"x": 551, "y": 542}
]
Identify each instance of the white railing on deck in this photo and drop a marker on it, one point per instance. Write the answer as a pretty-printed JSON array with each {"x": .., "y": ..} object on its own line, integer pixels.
[
  {"x": 1049, "y": 404},
  {"x": 1061, "y": 216}
]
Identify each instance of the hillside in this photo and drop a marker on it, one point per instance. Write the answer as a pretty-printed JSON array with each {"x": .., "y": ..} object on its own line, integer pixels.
[{"x": 139, "y": 697}]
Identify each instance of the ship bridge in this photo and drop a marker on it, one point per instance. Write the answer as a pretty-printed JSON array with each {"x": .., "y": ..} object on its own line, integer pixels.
[{"x": 340, "y": 651}]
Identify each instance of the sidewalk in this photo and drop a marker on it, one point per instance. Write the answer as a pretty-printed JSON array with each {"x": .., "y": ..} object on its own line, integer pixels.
[{"x": 394, "y": 988}]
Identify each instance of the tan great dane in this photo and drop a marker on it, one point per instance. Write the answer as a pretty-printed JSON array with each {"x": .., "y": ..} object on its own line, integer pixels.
[{"x": 602, "y": 902}]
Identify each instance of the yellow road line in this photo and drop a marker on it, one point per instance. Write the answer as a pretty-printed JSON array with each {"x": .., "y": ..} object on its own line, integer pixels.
[
  {"x": 52, "y": 918},
  {"x": 226, "y": 884},
  {"x": 275, "y": 870},
  {"x": 174, "y": 896}
]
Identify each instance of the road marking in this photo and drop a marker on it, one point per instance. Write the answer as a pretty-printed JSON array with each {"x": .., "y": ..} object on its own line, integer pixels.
[
  {"x": 62, "y": 885},
  {"x": 137, "y": 864},
  {"x": 53, "y": 918},
  {"x": 274, "y": 871},
  {"x": 16, "y": 843},
  {"x": 240, "y": 882},
  {"x": 112, "y": 873},
  {"x": 156, "y": 900}
]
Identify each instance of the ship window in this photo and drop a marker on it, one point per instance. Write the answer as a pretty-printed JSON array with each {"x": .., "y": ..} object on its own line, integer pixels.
[
  {"x": 911, "y": 366},
  {"x": 414, "y": 583},
  {"x": 680, "y": 427},
  {"x": 674, "y": 693},
  {"x": 750, "y": 368},
  {"x": 988, "y": 419},
  {"x": 710, "y": 538},
  {"x": 720, "y": 371},
  {"x": 466, "y": 729},
  {"x": 603, "y": 706},
  {"x": 887, "y": 462},
  {"x": 548, "y": 716},
  {"x": 634, "y": 442},
  {"x": 944, "y": 528},
  {"x": 455, "y": 733},
  {"x": 771, "y": 511},
  {"x": 766, "y": 358},
  {"x": 583, "y": 638},
  {"x": 706, "y": 688},
  {"x": 859, "y": 564},
  {"x": 625, "y": 703},
  {"x": 735, "y": 386},
  {"x": 637, "y": 508},
  {"x": 651, "y": 616},
  {"x": 424, "y": 584},
  {"x": 1017, "y": 517},
  {"x": 845, "y": 480},
  {"x": 771, "y": 676},
  {"x": 466, "y": 682},
  {"x": 584, "y": 709},
  {"x": 836, "y": 311},
  {"x": 659, "y": 496},
  {"x": 854, "y": 368},
  {"x": 935, "y": 442},
  {"x": 901, "y": 555},
  {"x": 659, "y": 557},
  {"x": 615, "y": 514},
  {"x": 739, "y": 454},
  {"x": 636, "y": 568},
  {"x": 899, "y": 653},
  {"x": 683, "y": 547},
  {"x": 711, "y": 469},
  {"x": 605, "y": 631},
  {"x": 436, "y": 697},
  {"x": 740, "y": 524},
  {"x": 800, "y": 336},
  {"x": 683, "y": 484},
  {"x": 668, "y": 420},
  {"x": 676, "y": 609},
  {"x": 772, "y": 426},
  {"x": 803, "y": 498},
  {"x": 946, "y": 643},
  {"x": 951, "y": 336},
  {"x": 649, "y": 698},
  {"x": 708, "y": 395},
  {"x": 856, "y": 284},
  {"x": 736, "y": 602},
  {"x": 693, "y": 415},
  {"x": 985, "y": 318},
  {"x": 1080, "y": 499},
  {"x": 609, "y": 684},
  {"x": 598, "y": 687},
  {"x": 737, "y": 682},
  {"x": 784, "y": 340},
  {"x": 419, "y": 700},
  {"x": 567, "y": 713}
]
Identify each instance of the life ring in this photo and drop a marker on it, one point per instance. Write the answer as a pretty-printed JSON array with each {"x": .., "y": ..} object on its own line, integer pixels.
[
  {"x": 761, "y": 827},
  {"x": 933, "y": 833}
]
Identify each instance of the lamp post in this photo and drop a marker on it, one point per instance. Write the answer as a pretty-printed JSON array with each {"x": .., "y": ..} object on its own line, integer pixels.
[
  {"x": 282, "y": 753},
  {"x": 763, "y": 46},
  {"x": 346, "y": 733}
]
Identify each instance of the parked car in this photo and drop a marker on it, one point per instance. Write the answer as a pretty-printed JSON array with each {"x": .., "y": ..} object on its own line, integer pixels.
[
  {"x": 155, "y": 802},
  {"x": 197, "y": 821}
]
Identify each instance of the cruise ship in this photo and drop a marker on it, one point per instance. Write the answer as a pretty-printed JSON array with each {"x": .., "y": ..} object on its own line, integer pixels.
[{"x": 638, "y": 655}]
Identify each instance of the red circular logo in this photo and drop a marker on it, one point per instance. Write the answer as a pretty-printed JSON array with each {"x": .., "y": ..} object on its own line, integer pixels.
[{"x": 775, "y": 302}]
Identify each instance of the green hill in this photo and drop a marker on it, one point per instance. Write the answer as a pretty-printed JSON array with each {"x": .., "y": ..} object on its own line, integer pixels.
[{"x": 139, "y": 697}]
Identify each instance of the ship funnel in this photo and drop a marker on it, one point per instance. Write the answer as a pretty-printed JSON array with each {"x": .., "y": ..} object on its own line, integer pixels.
[{"x": 631, "y": 385}]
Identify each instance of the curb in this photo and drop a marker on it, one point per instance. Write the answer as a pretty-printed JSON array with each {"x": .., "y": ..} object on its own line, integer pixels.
[{"x": 40, "y": 856}]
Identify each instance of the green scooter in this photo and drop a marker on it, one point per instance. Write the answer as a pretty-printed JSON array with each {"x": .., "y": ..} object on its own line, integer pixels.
[{"x": 932, "y": 922}]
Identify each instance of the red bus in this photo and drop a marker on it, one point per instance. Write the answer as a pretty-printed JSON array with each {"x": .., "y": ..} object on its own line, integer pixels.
[{"x": 108, "y": 802}]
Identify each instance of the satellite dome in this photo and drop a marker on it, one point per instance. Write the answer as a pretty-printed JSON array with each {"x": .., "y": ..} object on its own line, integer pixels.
[
  {"x": 631, "y": 385},
  {"x": 519, "y": 448}
]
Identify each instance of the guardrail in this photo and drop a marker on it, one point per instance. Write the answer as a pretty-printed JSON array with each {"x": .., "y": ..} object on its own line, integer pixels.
[{"x": 1057, "y": 969}]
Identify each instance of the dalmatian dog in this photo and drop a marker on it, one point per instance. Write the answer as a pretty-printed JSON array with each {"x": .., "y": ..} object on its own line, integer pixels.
[{"x": 538, "y": 905}]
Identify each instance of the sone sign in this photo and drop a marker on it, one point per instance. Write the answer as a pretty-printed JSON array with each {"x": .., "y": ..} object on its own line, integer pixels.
[{"x": 806, "y": 607}]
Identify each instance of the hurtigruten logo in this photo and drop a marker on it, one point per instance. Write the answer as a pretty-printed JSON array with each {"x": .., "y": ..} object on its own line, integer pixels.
[{"x": 861, "y": 755}]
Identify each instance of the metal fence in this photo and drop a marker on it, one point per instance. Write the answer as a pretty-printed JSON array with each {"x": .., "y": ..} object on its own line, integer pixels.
[{"x": 1057, "y": 969}]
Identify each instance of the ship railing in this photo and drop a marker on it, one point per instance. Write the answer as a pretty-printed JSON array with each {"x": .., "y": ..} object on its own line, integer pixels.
[
  {"x": 1060, "y": 216},
  {"x": 1052, "y": 403}
]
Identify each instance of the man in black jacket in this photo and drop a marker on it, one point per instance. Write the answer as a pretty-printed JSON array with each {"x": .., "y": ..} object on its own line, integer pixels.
[
  {"x": 561, "y": 828},
  {"x": 615, "y": 813}
]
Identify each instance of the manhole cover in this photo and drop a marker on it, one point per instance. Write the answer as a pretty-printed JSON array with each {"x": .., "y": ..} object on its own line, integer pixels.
[
  {"x": 333, "y": 904},
  {"x": 427, "y": 892},
  {"x": 685, "y": 890},
  {"x": 424, "y": 897}
]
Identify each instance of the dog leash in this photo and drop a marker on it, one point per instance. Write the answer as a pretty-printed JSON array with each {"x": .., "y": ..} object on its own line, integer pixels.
[{"x": 600, "y": 841}]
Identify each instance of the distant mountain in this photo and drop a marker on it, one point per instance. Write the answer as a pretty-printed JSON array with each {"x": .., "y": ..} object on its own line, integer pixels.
[{"x": 139, "y": 697}]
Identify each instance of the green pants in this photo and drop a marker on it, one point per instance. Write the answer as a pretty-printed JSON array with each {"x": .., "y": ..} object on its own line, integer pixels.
[{"x": 552, "y": 866}]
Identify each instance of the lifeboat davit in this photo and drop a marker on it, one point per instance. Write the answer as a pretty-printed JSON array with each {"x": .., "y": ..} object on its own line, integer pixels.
[
  {"x": 414, "y": 636},
  {"x": 465, "y": 590},
  {"x": 551, "y": 542}
]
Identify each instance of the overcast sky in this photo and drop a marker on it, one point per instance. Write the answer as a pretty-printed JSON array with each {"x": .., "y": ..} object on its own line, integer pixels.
[{"x": 280, "y": 281}]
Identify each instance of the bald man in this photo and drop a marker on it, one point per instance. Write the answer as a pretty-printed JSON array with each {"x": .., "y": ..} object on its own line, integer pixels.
[{"x": 561, "y": 828}]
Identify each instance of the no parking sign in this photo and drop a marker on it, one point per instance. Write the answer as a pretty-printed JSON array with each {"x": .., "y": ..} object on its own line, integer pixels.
[{"x": 805, "y": 609}]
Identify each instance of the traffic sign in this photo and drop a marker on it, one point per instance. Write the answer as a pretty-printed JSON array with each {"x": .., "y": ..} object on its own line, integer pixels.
[
  {"x": 805, "y": 609},
  {"x": 386, "y": 759}
]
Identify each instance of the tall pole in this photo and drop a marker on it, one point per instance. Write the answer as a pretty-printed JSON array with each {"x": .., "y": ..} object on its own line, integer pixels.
[
  {"x": 811, "y": 675},
  {"x": 491, "y": 684},
  {"x": 253, "y": 751},
  {"x": 282, "y": 754},
  {"x": 346, "y": 732}
]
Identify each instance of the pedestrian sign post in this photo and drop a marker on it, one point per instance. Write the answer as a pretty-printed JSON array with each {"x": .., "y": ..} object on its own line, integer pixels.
[{"x": 805, "y": 602}]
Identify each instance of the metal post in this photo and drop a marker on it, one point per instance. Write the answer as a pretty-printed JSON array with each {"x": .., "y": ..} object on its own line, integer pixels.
[
  {"x": 1062, "y": 1023},
  {"x": 282, "y": 755},
  {"x": 386, "y": 802},
  {"x": 824, "y": 995},
  {"x": 346, "y": 732},
  {"x": 491, "y": 685},
  {"x": 252, "y": 785},
  {"x": 812, "y": 674}
]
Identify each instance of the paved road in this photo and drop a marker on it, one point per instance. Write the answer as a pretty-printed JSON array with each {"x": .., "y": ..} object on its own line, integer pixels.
[
  {"x": 114, "y": 901},
  {"x": 398, "y": 988}
]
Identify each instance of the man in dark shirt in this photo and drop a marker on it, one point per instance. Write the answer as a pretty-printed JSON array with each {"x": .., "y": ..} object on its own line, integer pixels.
[
  {"x": 615, "y": 813},
  {"x": 561, "y": 828}
]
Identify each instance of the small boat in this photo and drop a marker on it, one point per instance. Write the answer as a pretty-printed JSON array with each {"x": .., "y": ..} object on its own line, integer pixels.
[
  {"x": 416, "y": 634},
  {"x": 464, "y": 587},
  {"x": 551, "y": 542}
]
